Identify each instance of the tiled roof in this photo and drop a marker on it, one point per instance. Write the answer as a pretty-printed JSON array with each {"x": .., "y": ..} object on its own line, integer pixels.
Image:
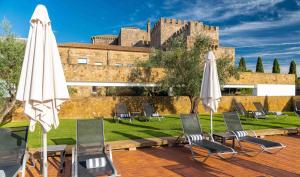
[{"x": 105, "y": 47}]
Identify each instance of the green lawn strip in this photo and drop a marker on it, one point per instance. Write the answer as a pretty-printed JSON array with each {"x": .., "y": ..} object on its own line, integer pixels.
[{"x": 170, "y": 126}]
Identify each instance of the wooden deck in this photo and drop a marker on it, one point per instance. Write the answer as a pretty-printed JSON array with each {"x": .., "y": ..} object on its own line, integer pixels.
[{"x": 176, "y": 161}]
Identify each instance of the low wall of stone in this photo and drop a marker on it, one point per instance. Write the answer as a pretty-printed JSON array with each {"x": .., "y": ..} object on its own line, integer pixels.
[{"x": 104, "y": 106}]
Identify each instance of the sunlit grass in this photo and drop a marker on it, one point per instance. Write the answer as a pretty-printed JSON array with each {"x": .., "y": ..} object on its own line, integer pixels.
[{"x": 170, "y": 126}]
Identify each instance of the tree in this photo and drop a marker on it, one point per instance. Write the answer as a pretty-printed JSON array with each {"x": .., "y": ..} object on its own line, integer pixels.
[
  {"x": 259, "y": 65},
  {"x": 11, "y": 57},
  {"x": 184, "y": 67},
  {"x": 242, "y": 65},
  {"x": 276, "y": 66},
  {"x": 293, "y": 68}
]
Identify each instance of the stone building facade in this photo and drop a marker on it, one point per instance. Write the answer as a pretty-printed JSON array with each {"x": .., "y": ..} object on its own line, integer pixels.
[{"x": 109, "y": 59}]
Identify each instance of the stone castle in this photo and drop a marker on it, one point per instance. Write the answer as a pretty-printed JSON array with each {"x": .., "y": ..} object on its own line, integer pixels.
[
  {"x": 163, "y": 31},
  {"x": 134, "y": 44}
]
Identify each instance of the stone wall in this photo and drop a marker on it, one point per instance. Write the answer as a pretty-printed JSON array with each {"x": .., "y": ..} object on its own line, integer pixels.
[
  {"x": 225, "y": 51},
  {"x": 147, "y": 75},
  {"x": 94, "y": 73},
  {"x": 104, "y": 56},
  {"x": 263, "y": 78},
  {"x": 104, "y": 106},
  {"x": 133, "y": 37}
]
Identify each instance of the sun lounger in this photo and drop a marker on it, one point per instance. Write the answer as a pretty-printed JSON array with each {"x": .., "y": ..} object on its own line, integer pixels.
[
  {"x": 121, "y": 112},
  {"x": 233, "y": 124},
  {"x": 297, "y": 107},
  {"x": 90, "y": 157},
  {"x": 242, "y": 111},
  {"x": 196, "y": 138},
  {"x": 259, "y": 107},
  {"x": 13, "y": 151},
  {"x": 149, "y": 112}
]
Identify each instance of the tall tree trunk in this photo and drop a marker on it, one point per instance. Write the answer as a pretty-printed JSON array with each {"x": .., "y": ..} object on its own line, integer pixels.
[
  {"x": 7, "y": 108},
  {"x": 194, "y": 104}
]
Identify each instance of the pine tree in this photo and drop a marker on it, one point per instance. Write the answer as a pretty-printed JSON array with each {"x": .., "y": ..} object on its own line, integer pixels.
[
  {"x": 276, "y": 66},
  {"x": 293, "y": 67},
  {"x": 242, "y": 65},
  {"x": 259, "y": 65}
]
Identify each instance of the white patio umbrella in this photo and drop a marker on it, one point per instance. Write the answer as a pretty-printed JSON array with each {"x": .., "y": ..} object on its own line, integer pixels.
[
  {"x": 42, "y": 86},
  {"x": 210, "y": 88}
]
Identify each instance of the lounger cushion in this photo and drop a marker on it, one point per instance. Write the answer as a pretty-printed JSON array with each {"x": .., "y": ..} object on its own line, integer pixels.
[
  {"x": 93, "y": 165},
  {"x": 195, "y": 137},
  {"x": 212, "y": 146},
  {"x": 263, "y": 142},
  {"x": 155, "y": 115},
  {"x": 124, "y": 115},
  {"x": 95, "y": 162},
  {"x": 241, "y": 133}
]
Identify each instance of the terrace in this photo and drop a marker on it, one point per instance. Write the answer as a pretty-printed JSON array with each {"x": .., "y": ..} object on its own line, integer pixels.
[{"x": 176, "y": 161}]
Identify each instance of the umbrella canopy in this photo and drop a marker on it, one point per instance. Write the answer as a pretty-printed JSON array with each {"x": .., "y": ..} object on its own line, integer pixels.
[
  {"x": 42, "y": 86},
  {"x": 210, "y": 88}
]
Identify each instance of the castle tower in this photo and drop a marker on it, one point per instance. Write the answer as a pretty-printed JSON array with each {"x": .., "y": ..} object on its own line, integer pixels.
[{"x": 148, "y": 29}]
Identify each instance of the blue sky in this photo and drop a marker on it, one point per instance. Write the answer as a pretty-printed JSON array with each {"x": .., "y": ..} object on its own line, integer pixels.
[{"x": 267, "y": 28}]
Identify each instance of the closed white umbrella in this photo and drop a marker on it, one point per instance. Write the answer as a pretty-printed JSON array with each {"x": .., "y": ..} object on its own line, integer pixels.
[
  {"x": 210, "y": 88},
  {"x": 42, "y": 86}
]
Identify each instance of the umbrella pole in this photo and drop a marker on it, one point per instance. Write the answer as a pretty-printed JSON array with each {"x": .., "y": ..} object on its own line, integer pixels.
[
  {"x": 211, "y": 123},
  {"x": 45, "y": 165}
]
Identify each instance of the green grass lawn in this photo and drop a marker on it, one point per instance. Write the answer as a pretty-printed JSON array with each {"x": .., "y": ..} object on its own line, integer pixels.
[{"x": 170, "y": 126}]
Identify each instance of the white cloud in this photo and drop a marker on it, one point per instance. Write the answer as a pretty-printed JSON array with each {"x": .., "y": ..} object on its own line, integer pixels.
[
  {"x": 219, "y": 10},
  {"x": 270, "y": 44},
  {"x": 288, "y": 18}
]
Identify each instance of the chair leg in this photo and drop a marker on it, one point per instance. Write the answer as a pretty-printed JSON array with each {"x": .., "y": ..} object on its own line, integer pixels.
[
  {"x": 26, "y": 156},
  {"x": 180, "y": 136}
]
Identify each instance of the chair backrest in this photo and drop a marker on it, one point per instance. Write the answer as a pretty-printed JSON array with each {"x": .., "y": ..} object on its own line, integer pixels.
[
  {"x": 232, "y": 121},
  {"x": 259, "y": 107},
  {"x": 148, "y": 109},
  {"x": 297, "y": 105},
  {"x": 13, "y": 142},
  {"x": 90, "y": 136},
  {"x": 121, "y": 108},
  {"x": 240, "y": 109},
  {"x": 190, "y": 124}
]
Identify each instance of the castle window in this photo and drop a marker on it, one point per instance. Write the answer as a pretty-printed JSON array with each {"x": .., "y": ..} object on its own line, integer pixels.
[
  {"x": 118, "y": 65},
  {"x": 99, "y": 63},
  {"x": 82, "y": 60}
]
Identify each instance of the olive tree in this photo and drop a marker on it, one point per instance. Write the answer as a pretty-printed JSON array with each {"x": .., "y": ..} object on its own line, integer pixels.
[
  {"x": 11, "y": 57},
  {"x": 184, "y": 67}
]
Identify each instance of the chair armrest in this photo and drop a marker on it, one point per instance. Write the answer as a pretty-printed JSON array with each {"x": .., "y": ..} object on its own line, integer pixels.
[
  {"x": 235, "y": 135},
  {"x": 253, "y": 133},
  {"x": 74, "y": 162},
  {"x": 211, "y": 138},
  {"x": 108, "y": 150}
]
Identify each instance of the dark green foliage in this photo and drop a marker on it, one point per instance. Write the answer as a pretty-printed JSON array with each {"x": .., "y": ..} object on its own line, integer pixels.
[
  {"x": 259, "y": 65},
  {"x": 242, "y": 65},
  {"x": 276, "y": 66},
  {"x": 293, "y": 68}
]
